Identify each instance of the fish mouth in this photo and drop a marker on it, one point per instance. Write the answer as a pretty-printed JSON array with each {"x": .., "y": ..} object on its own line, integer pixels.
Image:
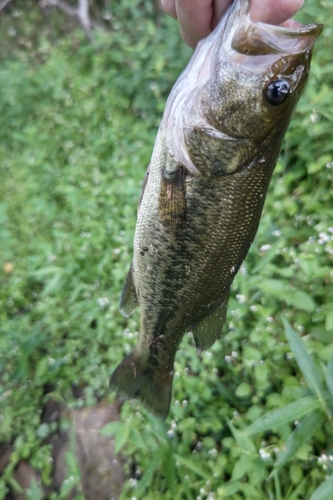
[
  {"x": 290, "y": 38},
  {"x": 261, "y": 47}
]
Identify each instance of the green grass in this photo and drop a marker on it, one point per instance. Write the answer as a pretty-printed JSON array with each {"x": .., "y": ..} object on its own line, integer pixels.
[{"x": 250, "y": 418}]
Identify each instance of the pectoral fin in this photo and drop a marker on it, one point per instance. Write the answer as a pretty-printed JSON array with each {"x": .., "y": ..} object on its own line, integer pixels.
[
  {"x": 128, "y": 300},
  {"x": 172, "y": 200},
  {"x": 210, "y": 328}
]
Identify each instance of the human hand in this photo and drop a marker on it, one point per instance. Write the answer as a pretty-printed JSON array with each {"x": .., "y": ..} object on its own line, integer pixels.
[{"x": 197, "y": 18}]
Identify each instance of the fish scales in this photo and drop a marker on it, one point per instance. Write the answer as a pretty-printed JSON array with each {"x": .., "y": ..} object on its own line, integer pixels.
[
  {"x": 204, "y": 190},
  {"x": 213, "y": 243}
]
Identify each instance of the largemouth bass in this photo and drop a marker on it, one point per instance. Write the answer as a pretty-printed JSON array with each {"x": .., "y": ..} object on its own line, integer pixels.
[{"x": 204, "y": 190}]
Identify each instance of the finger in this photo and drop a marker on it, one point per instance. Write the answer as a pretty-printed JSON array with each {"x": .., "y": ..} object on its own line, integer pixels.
[
  {"x": 219, "y": 9},
  {"x": 274, "y": 11},
  {"x": 195, "y": 17},
  {"x": 169, "y": 8}
]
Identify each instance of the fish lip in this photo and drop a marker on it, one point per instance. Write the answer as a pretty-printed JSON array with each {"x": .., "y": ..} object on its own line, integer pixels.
[
  {"x": 291, "y": 27},
  {"x": 258, "y": 38},
  {"x": 304, "y": 34}
]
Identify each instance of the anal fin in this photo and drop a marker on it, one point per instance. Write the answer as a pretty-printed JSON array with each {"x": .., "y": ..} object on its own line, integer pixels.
[
  {"x": 128, "y": 299},
  {"x": 209, "y": 329}
]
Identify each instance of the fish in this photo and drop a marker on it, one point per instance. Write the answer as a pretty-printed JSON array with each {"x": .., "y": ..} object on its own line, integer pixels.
[{"x": 204, "y": 190}]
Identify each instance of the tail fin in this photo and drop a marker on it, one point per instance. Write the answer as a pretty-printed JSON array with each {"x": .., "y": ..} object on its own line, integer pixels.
[{"x": 135, "y": 378}]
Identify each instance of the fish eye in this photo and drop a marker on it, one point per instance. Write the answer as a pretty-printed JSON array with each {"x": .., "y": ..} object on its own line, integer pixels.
[{"x": 277, "y": 92}]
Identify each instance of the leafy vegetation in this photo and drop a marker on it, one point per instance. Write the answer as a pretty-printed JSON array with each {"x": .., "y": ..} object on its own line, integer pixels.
[{"x": 251, "y": 417}]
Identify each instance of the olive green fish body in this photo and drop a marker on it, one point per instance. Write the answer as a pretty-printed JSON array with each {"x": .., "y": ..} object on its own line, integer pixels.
[{"x": 204, "y": 191}]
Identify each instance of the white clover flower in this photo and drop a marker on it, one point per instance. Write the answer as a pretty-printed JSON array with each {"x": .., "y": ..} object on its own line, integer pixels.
[
  {"x": 212, "y": 453},
  {"x": 103, "y": 302},
  {"x": 264, "y": 455},
  {"x": 132, "y": 483},
  {"x": 241, "y": 298}
]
